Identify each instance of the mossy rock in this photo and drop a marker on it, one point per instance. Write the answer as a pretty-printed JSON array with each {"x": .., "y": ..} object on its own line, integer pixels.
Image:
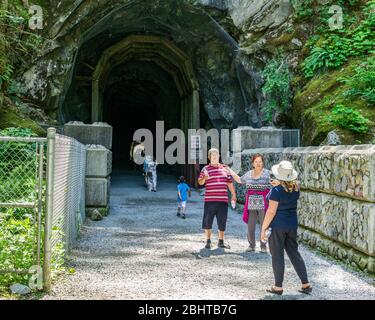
[
  {"x": 10, "y": 116},
  {"x": 314, "y": 102}
]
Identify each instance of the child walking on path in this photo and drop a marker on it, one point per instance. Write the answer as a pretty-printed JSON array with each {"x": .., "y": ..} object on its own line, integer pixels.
[{"x": 182, "y": 191}]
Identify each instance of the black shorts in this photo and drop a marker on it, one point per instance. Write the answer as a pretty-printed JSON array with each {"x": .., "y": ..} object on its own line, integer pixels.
[{"x": 212, "y": 209}]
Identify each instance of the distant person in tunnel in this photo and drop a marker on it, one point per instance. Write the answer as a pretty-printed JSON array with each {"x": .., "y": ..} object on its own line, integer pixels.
[
  {"x": 151, "y": 174},
  {"x": 137, "y": 151},
  {"x": 182, "y": 196},
  {"x": 148, "y": 159},
  {"x": 217, "y": 181}
]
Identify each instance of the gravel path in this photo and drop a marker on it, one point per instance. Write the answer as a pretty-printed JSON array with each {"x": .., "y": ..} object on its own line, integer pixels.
[{"x": 143, "y": 251}]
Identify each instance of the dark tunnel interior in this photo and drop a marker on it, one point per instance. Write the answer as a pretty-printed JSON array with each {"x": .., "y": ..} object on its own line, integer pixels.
[{"x": 137, "y": 94}]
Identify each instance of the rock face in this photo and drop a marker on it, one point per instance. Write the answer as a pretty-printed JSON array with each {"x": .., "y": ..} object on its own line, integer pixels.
[
  {"x": 228, "y": 42},
  {"x": 228, "y": 81},
  {"x": 257, "y": 16}
]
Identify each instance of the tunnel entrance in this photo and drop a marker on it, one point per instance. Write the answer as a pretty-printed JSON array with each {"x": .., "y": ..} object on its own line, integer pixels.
[
  {"x": 141, "y": 80},
  {"x": 144, "y": 61}
]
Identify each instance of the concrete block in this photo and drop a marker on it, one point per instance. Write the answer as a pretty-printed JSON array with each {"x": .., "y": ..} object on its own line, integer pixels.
[
  {"x": 97, "y": 192},
  {"x": 98, "y": 161},
  {"x": 97, "y": 133},
  {"x": 249, "y": 138},
  {"x": 244, "y": 138}
]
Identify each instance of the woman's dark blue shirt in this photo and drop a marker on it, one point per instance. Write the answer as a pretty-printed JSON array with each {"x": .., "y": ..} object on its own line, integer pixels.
[{"x": 286, "y": 214}]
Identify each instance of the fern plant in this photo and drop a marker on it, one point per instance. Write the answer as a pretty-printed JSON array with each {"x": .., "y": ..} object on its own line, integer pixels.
[
  {"x": 338, "y": 46},
  {"x": 362, "y": 83},
  {"x": 277, "y": 87},
  {"x": 17, "y": 44},
  {"x": 349, "y": 119}
]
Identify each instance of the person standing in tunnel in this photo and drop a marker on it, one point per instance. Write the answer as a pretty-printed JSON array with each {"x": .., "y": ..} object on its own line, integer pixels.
[
  {"x": 152, "y": 176},
  {"x": 146, "y": 174},
  {"x": 137, "y": 151},
  {"x": 217, "y": 181}
]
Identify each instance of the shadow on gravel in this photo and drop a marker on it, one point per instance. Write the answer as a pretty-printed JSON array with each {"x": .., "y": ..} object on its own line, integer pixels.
[
  {"x": 255, "y": 256},
  {"x": 248, "y": 256},
  {"x": 206, "y": 253}
]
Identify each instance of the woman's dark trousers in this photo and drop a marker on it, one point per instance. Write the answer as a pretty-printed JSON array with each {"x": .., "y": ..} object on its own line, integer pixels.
[{"x": 286, "y": 239}]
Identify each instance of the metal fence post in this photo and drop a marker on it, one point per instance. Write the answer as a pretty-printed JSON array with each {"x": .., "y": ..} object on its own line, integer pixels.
[
  {"x": 51, "y": 136},
  {"x": 40, "y": 200}
]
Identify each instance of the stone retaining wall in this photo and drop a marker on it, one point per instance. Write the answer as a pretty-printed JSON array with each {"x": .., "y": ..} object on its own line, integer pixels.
[{"x": 337, "y": 205}]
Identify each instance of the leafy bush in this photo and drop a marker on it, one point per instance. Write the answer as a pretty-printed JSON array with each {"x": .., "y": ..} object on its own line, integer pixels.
[
  {"x": 277, "y": 87},
  {"x": 18, "y": 227},
  {"x": 17, "y": 132},
  {"x": 17, "y": 166},
  {"x": 17, "y": 45},
  {"x": 339, "y": 45},
  {"x": 348, "y": 118},
  {"x": 17, "y": 244},
  {"x": 302, "y": 9},
  {"x": 362, "y": 83}
]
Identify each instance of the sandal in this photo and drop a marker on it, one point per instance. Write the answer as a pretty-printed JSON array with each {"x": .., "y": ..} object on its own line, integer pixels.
[
  {"x": 307, "y": 290},
  {"x": 272, "y": 290}
]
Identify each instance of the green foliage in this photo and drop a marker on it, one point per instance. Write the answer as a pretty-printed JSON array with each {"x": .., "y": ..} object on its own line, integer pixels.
[
  {"x": 7, "y": 71},
  {"x": 17, "y": 244},
  {"x": 349, "y": 119},
  {"x": 351, "y": 3},
  {"x": 302, "y": 9},
  {"x": 17, "y": 166},
  {"x": 18, "y": 44},
  {"x": 17, "y": 132},
  {"x": 362, "y": 83},
  {"x": 18, "y": 227},
  {"x": 277, "y": 87},
  {"x": 338, "y": 46}
]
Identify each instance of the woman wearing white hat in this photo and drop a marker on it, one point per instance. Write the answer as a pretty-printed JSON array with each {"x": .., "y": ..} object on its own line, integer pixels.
[{"x": 281, "y": 217}]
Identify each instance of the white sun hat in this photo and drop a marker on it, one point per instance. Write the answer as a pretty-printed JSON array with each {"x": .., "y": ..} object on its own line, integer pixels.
[{"x": 284, "y": 171}]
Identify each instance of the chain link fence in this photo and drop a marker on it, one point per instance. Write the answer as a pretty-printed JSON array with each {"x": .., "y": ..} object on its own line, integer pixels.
[
  {"x": 42, "y": 205},
  {"x": 22, "y": 168},
  {"x": 65, "y": 198}
]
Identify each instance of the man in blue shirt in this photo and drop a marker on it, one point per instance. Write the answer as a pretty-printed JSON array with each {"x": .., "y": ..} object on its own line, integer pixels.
[{"x": 182, "y": 191}]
